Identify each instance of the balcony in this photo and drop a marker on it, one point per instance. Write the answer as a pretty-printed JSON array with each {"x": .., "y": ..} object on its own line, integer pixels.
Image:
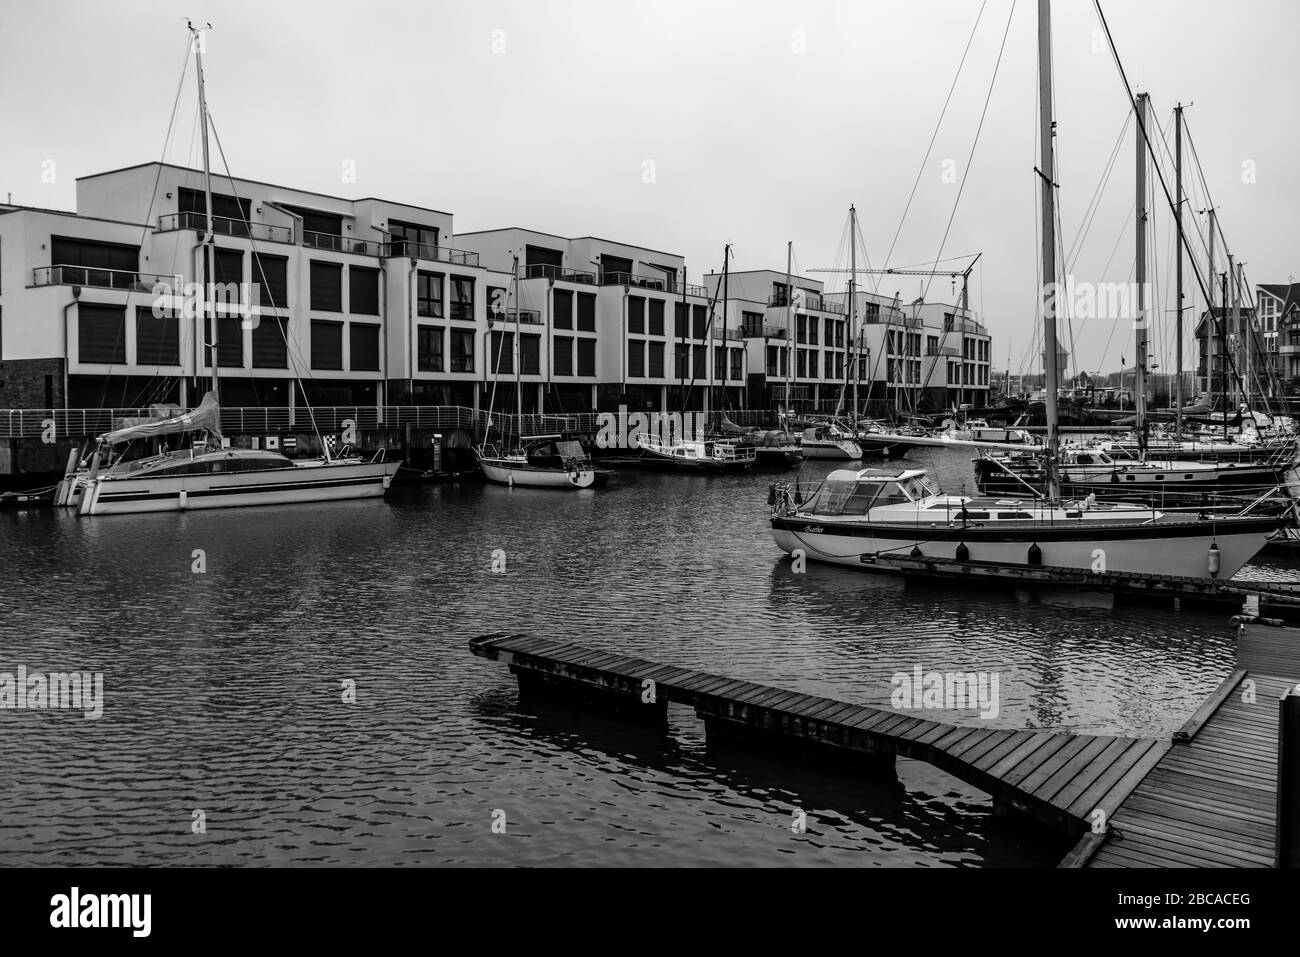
[
  {"x": 99, "y": 278},
  {"x": 430, "y": 253},
  {"x": 812, "y": 303},
  {"x": 942, "y": 351},
  {"x": 730, "y": 333},
  {"x": 225, "y": 226},
  {"x": 547, "y": 271},
  {"x": 508, "y": 317},
  {"x": 342, "y": 244}
]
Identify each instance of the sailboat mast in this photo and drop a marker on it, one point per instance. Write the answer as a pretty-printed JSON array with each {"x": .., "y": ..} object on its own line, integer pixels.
[
  {"x": 789, "y": 329},
  {"x": 1140, "y": 273},
  {"x": 519, "y": 386},
  {"x": 208, "y": 277},
  {"x": 853, "y": 296},
  {"x": 1210, "y": 323},
  {"x": 1046, "y": 172},
  {"x": 726, "y": 365},
  {"x": 1178, "y": 272}
]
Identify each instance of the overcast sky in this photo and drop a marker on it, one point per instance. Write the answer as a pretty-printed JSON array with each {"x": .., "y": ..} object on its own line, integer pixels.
[{"x": 685, "y": 125}]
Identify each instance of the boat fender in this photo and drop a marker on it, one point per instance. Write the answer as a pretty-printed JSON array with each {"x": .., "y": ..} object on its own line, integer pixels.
[
  {"x": 1035, "y": 554},
  {"x": 963, "y": 553},
  {"x": 1114, "y": 477},
  {"x": 1215, "y": 560}
]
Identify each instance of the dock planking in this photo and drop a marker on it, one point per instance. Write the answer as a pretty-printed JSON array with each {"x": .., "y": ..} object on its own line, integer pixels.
[
  {"x": 1056, "y": 777},
  {"x": 1211, "y": 799}
]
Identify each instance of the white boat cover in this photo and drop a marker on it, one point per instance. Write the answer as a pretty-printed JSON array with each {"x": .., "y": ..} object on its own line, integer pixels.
[{"x": 207, "y": 415}]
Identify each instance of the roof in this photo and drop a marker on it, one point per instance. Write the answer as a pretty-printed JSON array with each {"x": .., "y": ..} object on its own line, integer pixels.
[
  {"x": 7, "y": 208},
  {"x": 245, "y": 179},
  {"x": 566, "y": 239},
  {"x": 1286, "y": 293}
]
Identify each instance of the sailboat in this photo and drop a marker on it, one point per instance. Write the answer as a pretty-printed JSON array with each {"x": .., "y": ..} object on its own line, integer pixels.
[
  {"x": 855, "y": 516},
  {"x": 537, "y": 461},
  {"x": 208, "y": 474}
]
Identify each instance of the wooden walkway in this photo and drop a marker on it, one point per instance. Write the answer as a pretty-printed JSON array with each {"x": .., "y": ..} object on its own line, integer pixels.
[
  {"x": 1058, "y": 778},
  {"x": 1211, "y": 801}
]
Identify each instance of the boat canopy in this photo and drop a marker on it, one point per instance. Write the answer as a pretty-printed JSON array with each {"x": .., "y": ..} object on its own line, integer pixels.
[{"x": 207, "y": 415}]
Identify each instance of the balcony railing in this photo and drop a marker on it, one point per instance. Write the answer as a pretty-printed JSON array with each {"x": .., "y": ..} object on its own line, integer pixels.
[
  {"x": 730, "y": 333},
  {"x": 225, "y": 226},
  {"x": 99, "y": 278},
  {"x": 342, "y": 244},
  {"x": 427, "y": 251},
  {"x": 942, "y": 351},
  {"x": 530, "y": 316},
  {"x": 548, "y": 271}
]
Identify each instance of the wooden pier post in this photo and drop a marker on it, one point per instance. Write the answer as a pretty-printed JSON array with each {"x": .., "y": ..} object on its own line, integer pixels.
[{"x": 1288, "y": 779}]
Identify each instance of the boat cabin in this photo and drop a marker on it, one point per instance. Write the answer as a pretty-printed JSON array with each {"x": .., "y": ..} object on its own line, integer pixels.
[{"x": 849, "y": 492}]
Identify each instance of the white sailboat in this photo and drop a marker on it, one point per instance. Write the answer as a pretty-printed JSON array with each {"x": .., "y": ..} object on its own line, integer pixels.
[
  {"x": 856, "y": 515},
  {"x": 208, "y": 475},
  {"x": 539, "y": 461}
]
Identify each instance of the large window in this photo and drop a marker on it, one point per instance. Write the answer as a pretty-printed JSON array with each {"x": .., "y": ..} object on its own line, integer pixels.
[
  {"x": 229, "y": 269},
  {"x": 587, "y": 356},
  {"x": 737, "y": 362},
  {"x": 429, "y": 347},
  {"x": 680, "y": 320},
  {"x": 271, "y": 274},
  {"x": 326, "y": 287},
  {"x": 363, "y": 346},
  {"x": 635, "y": 314},
  {"x": 230, "y": 342},
  {"x": 157, "y": 339},
  {"x": 636, "y": 358},
  {"x": 462, "y": 350},
  {"x": 462, "y": 298},
  {"x": 812, "y": 329},
  {"x": 428, "y": 294},
  {"x": 656, "y": 360},
  {"x": 530, "y": 354},
  {"x": 586, "y": 312},
  {"x": 563, "y": 309},
  {"x": 363, "y": 290},
  {"x": 771, "y": 360},
  {"x": 326, "y": 344},
  {"x": 270, "y": 350},
  {"x": 503, "y": 353},
  {"x": 656, "y": 317},
  {"x": 681, "y": 360},
  {"x": 231, "y": 212},
  {"x": 411, "y": 239},
  {"x": 94, "y": 262},
  {"x": 700, "y": 321},
  {"x": 563, "y": 355}
]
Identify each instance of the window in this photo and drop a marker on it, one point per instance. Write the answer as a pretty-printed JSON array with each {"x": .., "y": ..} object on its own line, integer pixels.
[
  {"x": 800, "y": 364},
  {"x": 326, "y": 345},
  {"x": 269, "y": 348},
  {"x": 326, "y": 287},
  {"x": 503, "y": 353},
  {"x": 428, "y": 294},
  {"x": 271, "y": 275},
  {"x": 737, "y": 363},
  {"x": 614, "y": 269},
  {"x": 812, "y": 329},
  {"x": 636, "y": 358},
  {"x": 656, "y": 360},
  {"x": 230, "y": 213},
  {"x": 656, "y": 317},
  {"x": 751, "y": 324},
  {"x": 839, "y": 333},
  {"x": 498, "y": 300},
  {"x": 563, "y": 309},
  {"x": 830, "y": 366},
  {"x": 230, "y": 341},
  {"x": 587, "y": 356},
  {"x": 530, "y": 355},
  {"x": 697, "y": 362},
  {"x": 700, "y": 321},
  {"x": 363, "y": 346},
  {"x": 719, "y": 363},
  {"x": 411, "y": 239},
  {"x": 462, "y": 350},
  {"x": 229, "y": 269},
  {"x": 157, "y": 339},
  {"x": 635, "y": 314},
  {"x": 319, "y": 229},
  {"x": 586, "y": 312},
  {"x": 564, "y": 355},
  {"x": 771, "y": 360},
  {"x": 801, "y": 329},
  {"x": 363, "y": 291},
  {"x": 680, "y": 320},
  {"x": 429, "y": 348},
  {"x": 462, "y": 297},
  {"x": 541, "y": 256},
  {"x": 681, "y": 360}
]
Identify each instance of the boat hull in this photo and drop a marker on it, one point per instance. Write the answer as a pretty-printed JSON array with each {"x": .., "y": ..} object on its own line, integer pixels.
[
  {"x": 512, "y": 473},
  {"x": 842, "y": 452},
  {"x": 323, "y": 482},
  {"x": 1168, "y": 548}
]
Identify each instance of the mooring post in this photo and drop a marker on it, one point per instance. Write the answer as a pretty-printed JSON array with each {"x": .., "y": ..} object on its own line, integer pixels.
[{"x": 1288, "y": 779}]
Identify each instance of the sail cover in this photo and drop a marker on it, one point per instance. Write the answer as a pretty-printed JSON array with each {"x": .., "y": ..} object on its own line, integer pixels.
[{"x": 207, "y": 415}]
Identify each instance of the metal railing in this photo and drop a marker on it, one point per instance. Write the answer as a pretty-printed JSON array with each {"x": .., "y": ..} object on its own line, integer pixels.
[
  {"x": 507, "y": 316},
  {"x": 810, "y": 303},
  {"x": 98, "y": 278},
  {"x": 429, "y": 252},
  {"x": 225, "y": 226},
  {"x": 342, "y": 244},
  {"x": 730, "y": 333},
  {"x": 548, "y": 271}
]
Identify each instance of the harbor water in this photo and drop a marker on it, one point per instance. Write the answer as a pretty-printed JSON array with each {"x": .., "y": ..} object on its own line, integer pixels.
[{"x": 292, "y": 685}]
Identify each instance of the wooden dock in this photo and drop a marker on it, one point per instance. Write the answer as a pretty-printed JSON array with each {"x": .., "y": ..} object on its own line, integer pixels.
[
  {"x": 1212, "y": 799},
  {"x": 1276, "y": 599},
  {"x": 1058, "y": 778},
  {"x": 1206, "y": 797}
]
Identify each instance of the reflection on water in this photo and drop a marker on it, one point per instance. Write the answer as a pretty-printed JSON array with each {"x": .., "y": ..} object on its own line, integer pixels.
[{"x": 225, "y": 688}]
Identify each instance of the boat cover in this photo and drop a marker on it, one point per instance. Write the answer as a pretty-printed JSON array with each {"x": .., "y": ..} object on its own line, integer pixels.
[{"x": 207, "y": 415}]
